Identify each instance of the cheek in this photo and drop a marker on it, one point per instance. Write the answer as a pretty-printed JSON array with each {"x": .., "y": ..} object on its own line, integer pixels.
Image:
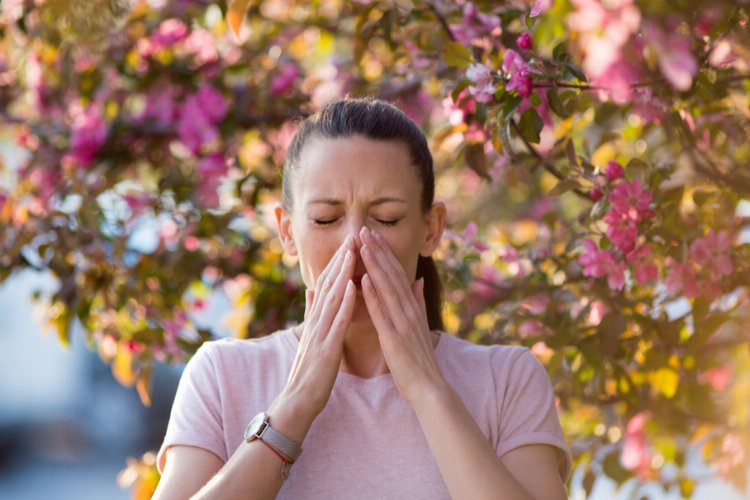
[
  {"x": 314, "y": 254},
  {"x": 406, "y": 250}
]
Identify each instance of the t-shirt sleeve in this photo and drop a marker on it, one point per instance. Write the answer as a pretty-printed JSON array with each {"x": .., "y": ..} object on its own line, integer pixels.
[
  {"x": 528, "y": 414},
  {"x": 196, "y": 412}
]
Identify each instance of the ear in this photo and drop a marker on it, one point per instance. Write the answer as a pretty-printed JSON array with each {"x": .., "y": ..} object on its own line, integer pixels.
[
  {"x": 284, "y": 225},
  {"x": 435, "y": 222}
]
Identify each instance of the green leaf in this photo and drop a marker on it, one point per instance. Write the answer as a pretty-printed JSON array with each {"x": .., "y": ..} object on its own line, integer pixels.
[
  {"x": 564, "y": 186},
  {"x": 531, "y": 126},
  {"x": 556, "y": 104},
  {"x": 456, "y": 55},
  {"x": 576, "y": 71},
  {"x": 512, "y": 102},
  {"x": 559, "y": 53},
  {"x": 570, "y": 151}
]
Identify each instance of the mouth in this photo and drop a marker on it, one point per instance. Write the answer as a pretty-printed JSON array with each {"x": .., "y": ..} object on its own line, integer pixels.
[{"x": 357, "y": 280}]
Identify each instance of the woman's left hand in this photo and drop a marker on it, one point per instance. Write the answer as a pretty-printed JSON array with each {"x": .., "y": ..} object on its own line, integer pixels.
[{"x": 398, "y": 311}]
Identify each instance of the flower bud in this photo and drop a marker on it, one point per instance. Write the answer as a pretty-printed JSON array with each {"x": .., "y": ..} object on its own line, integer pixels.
[
  {"x": 613, "y": 171},
  {"x": 524, "y": 41}
]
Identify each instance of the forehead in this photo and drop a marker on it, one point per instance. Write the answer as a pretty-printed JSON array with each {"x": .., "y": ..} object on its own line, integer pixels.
[{"x": 356, "y": 166}]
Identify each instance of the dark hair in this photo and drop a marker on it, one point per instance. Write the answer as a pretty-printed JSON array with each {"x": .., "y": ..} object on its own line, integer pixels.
[{"x": 379, "y": 120}]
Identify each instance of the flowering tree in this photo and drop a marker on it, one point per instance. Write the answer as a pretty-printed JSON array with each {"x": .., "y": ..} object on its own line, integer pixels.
[{"x": 593, "y": 156}]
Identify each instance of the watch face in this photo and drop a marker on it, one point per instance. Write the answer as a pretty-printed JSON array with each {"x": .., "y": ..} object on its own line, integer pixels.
[{"x": 255, "y": 426}]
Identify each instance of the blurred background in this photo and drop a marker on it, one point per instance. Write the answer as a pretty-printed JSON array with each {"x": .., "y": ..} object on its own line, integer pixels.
[
  {"x": 593, "y": 157},
  {"x": 66, "y": 425}
]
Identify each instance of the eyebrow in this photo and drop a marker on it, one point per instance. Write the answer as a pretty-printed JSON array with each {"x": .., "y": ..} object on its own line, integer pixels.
[{"x": 335, "y": 202}]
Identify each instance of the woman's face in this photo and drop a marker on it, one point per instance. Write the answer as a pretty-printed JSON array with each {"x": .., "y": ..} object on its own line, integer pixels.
[{"x": 343, "y": 184}]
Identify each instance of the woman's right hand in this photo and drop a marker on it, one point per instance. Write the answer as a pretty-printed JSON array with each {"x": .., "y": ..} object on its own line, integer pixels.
[{"x": 328, "y": 312}]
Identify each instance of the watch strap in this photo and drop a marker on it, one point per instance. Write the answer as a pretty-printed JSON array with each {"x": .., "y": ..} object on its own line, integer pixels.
[{"x": 281, "y": 443}]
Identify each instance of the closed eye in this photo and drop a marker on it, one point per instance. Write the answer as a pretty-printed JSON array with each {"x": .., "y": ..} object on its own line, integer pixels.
[{"x": 326, "y": 222}]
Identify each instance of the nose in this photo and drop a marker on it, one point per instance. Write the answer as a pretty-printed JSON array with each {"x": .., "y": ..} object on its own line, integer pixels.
[{"x": 353, "y": 230}]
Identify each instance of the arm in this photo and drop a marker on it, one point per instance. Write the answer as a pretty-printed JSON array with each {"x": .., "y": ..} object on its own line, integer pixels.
[
  {"x": 398, "y": 311},
  {"x": 254, "y": 468},
  {"x": 192, "y": 472},
  {"x": 527, "y": 472}
]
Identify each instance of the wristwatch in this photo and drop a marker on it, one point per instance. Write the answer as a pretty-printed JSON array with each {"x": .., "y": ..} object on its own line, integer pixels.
[{"x": 259, "y": 428}]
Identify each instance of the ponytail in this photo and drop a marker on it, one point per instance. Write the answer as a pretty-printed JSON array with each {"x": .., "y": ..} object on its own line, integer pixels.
[{"x": 433, "y": 291}]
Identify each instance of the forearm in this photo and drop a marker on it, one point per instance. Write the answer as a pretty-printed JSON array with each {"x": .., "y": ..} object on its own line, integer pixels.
[
  {"x": 254, "y": 470},
  {"x": 454, "y": 438}
]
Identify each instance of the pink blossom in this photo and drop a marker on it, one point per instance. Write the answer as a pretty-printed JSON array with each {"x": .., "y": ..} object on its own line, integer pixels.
[
  {"x": 597, "y": 263},
  {"x": 613, "y": 171},
  {"x": 621, "y": 230},
  {"x": 417, "y": 106},
  {"x": 170, "y": 31},
  {"x": 636, "y": 455},
  {"x": 733, "y": 454},
  {"x": 482, "y": 89},
  {"x": 284, "y": 80},
  {"x": 681, "y": 278},
  {"x": 88, "y": 135},
  {"x": 199, "y": 115},
  {"x": 518, "y": 70},
  {"x": 210, "y": 171},
  {"x": 202, "y": 46},
  {"x": 513, "y": 62},
  {"x": 676, "y": 60},
  {"x": 643, "y": 269},
  {"x": 539, "y": 7},
  {"x": 474, "y": 25},
  {"x": 524, "y": 41},
  {"x": 532, "y": 327},
  {"x": 137, "y": 203},
  {"x": 719, "y": 377},
  {"x": 597, "y": 310},
  {"x": 161, "y": 105},
  {"x": 212, "y": 102},
  {"x": 536, "y": 304},
  {"x": 712, "y": 252},
  {"x": 605, "y": 29},
  {"x": 722, "y": 55},
  {"x": 596, "y": 194},
  {"x": 631, "y": 200},
  {"x": 484, "y": 288}
]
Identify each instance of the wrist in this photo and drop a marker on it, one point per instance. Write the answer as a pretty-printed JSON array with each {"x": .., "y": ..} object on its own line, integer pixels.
[
  {"x": 291, "y": 417},
  {"x": 431, "y": 396}
]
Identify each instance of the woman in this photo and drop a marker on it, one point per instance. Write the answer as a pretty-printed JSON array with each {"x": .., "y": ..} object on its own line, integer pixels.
[{"x": 384, "y": 404}]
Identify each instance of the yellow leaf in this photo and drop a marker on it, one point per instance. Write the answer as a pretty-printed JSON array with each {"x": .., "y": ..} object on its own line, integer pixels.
[
  {"x": 143, "y": 386},
  {"x": 665, "y": 381},
  {"x": 122, "y": 367},
  {"x": 235, "y": 15}
]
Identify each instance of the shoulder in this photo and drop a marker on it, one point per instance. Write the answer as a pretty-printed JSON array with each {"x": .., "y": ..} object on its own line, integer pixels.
[
  {"x": 222, "y": 358},
  {"x": 455, "y": 350},
  {"x": 274, "y": 344}
]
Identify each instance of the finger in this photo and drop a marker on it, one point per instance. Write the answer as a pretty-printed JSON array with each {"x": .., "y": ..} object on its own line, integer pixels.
[
  {"x": 331, "y": 303},
  {"x": 343, "y": 318},
  {"x": 394, "y": 266},
  {"x": 333, "y": 262},
  {"x": 392, "y": 296},
  {"x": 309, "y": 295},
  {"x": 327, "y": 279},
  {"x": 375, "y": 307}
]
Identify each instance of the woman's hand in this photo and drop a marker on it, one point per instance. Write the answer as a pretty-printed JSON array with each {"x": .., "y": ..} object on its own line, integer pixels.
[
  {"x": 328, "y": 312},
  {"x": 398, "y": 311}
]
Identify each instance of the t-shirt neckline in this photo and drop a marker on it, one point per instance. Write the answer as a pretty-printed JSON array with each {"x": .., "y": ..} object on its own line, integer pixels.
[{"x": 384, "y": 381}]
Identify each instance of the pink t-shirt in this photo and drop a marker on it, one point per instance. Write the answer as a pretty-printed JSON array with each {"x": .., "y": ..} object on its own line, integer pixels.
[{"x": 367, "y": 442}]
